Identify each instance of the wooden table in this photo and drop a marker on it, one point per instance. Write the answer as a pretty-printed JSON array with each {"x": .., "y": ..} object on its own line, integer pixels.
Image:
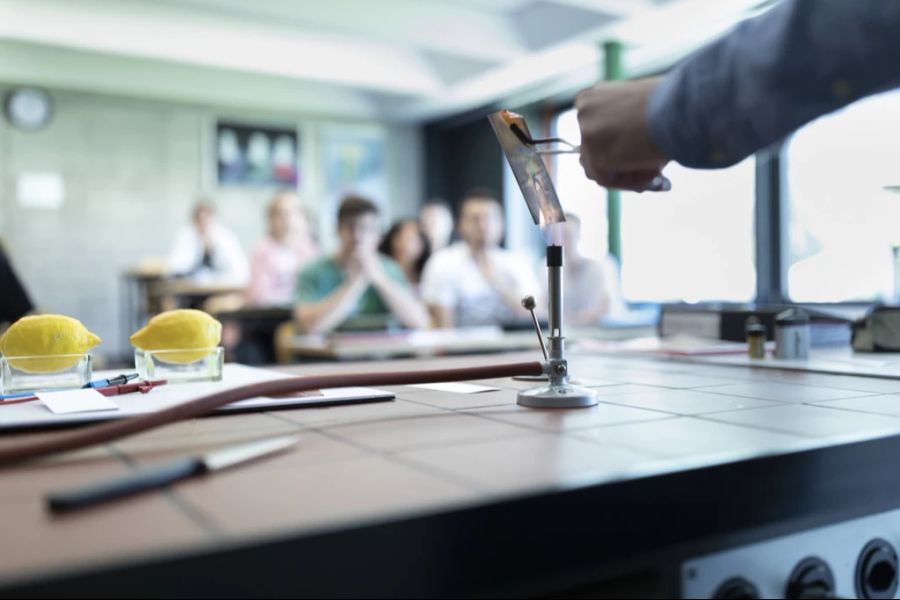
[{"x": 448, "y": 494}]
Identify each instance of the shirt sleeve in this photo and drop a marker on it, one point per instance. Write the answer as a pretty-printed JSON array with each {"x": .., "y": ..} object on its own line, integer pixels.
[
  {"x": 395, "y": 273},
  {"x": 437, "y": 287},
  {"x": 183, "y": 257},
  {"x": 14, "y": 302},
  {"x": 773, "y": 74}
]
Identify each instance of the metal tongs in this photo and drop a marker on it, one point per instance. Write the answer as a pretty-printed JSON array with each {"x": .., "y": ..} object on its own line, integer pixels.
[{"x": 515, "y": 124}]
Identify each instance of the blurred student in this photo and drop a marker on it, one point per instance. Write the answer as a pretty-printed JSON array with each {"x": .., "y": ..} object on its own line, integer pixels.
[
  {"x": 207, "y": 252},
  {"x": 278, "y": 258},
  {"x": 475, "y": 281},
  {"x": 437, "y": 223},
  {"x": 14, "y": 301},
  {"x": 406, "y": 244},
  {"x": 591, "y": 289},
  {"x": 357, "y": 287}
]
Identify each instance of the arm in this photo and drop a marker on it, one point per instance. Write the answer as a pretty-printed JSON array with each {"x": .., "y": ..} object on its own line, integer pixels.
[
  {"x": 183, "y": 257},
  {"x": 511, "y": 282},
  {"x": 327, "y": 314},
  {"x": 769, "y": 76},
  {"x": 260, "y": 277},
  {"x": 438, "y": 291},
  {"x": 773, "y": 74},
  {"x": 231, "y": 258},
  {"x": 409, "y": 311},
  {"x": 15, "y": 302}
]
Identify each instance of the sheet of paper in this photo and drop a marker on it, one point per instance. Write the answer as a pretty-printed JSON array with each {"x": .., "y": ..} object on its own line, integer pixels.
[
  {"x": 76, "y": 401},
  {"x": 455, "y": 388}
]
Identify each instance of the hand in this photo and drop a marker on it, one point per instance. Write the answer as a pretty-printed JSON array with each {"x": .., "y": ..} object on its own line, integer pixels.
[
  {"x": 616, "y": 148},
  {"x": 372, "y": 268}
]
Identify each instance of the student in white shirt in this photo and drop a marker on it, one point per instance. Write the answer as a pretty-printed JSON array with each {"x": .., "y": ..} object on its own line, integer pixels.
[
  {"x": 206, "y": 252},
  {"x": 591, "y": 289},
  {"x": 475, "y": 281}
]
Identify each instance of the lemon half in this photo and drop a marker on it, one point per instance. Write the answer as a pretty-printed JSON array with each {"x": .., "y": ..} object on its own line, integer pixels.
[
  {"x": 46, "y": 335},
  {"x": 183, "y": 329}
]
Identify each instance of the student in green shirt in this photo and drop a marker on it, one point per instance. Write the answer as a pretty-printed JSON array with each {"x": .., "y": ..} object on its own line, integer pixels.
[{"x": 356, "y": 288}]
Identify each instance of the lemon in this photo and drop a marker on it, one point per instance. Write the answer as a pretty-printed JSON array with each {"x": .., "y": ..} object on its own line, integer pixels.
[
  {"x": 46, "y": 335},
  {"x": 183, "y": 329}
]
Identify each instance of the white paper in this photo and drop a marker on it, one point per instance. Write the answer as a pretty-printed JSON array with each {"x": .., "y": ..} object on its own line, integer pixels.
[
  {"x": 76, "y": 401},
  {"x": 455, "y": 388}
]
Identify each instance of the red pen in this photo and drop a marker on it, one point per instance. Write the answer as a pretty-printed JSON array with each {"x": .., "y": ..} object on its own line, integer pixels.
[{"x": 128, "y": 388}]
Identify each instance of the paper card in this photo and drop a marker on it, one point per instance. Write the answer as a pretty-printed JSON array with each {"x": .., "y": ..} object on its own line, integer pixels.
[
  {"x": 455, "y": 388},
  {"x": 76, "y": 401}
]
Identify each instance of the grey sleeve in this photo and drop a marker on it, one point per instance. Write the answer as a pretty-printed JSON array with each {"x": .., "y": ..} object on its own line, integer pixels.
[{"x": 772, "y": 74}]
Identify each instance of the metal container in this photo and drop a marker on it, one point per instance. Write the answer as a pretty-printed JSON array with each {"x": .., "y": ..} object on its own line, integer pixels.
[{"x": 792, "y": 334}]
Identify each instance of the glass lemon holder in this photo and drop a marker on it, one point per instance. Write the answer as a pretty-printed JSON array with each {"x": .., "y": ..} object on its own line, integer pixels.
[
  {"x": 44, "y": 373},
  {"x": 180, "y": 365}
]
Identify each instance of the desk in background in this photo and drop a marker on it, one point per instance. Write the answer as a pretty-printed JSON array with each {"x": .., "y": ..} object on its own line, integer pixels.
[
  {"x": 436, "y": 342},
  {"x": 439, "y": 494}
]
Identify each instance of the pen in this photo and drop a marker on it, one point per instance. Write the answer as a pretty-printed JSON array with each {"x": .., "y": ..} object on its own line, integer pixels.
[
  {"x": 128, "y": 388},
  {"x": 17, "y": 398},
  {"x": 158, "y": 476},
  {"x": 117, "y": 380}
]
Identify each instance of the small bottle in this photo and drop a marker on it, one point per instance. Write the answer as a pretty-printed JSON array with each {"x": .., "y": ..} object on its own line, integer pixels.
[
  {"x": 756, "y": 337},
  {"x": 792, "y": 334}
]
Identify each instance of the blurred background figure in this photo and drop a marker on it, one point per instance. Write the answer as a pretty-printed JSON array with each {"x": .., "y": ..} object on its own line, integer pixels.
[
  {"x": 278, "y": 257},
  {"x": 475, "y": 281},
  {"x": 437, "y": 223},
  {"x": 592, "y": 290},
  {"x": 357, "y": 287},
  {"x": 14, "y": 300},
  {"x": 207, "y": 252},
  {"x": 406, "y": 243}
]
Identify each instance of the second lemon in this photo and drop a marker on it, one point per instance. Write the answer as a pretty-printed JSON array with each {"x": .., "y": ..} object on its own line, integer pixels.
[{"x": 183, "y": 329}]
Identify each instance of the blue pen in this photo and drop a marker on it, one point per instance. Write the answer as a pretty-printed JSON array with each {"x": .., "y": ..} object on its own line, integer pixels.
[
  {"x": 117, "y": 380},
  {"x": 14, "y": 396}
]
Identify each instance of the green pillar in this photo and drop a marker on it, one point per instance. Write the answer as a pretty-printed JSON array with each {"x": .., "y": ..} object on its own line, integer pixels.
[{"x": 612, "y": 71}]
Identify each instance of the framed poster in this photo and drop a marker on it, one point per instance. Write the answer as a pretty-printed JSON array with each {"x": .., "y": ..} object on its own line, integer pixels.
[{"x": 256, "y": 155}]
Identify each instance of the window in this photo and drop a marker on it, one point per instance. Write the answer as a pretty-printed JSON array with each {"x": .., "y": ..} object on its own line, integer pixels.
[
  {"x": 843, "y": 223},
  {"x": 580, "y": 195},
  {"x": 693, "y": 243}
]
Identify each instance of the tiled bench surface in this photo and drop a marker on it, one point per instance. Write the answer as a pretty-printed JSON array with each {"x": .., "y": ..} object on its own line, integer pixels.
[{"x": 429, "y": 451}]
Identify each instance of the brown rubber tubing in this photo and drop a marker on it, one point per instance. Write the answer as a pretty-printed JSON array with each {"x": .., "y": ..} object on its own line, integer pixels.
[{"x": 107, "y": 432}]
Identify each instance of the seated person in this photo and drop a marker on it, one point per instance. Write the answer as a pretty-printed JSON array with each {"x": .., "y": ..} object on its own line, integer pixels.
[
  {"x": 406, "y": 244},
  {"x": 591, "y": 290},
  {"x": 279, "y": 256},
  {"x": 14, "y": 301},
  {"x": 356, "y": 288},
  {"x": 437, "y": 223},
  {"x": 475, "y": 281},
  {"x": 208, "y": 253}
]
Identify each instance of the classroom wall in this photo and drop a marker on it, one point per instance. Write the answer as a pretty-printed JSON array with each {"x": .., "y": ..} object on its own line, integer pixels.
[{"x": 132, "y": 170}]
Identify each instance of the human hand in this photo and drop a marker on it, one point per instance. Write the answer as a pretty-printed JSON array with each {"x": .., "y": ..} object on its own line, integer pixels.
[
  {"x": 616, "y": 148},
  {"x": 372, "y": 268}
]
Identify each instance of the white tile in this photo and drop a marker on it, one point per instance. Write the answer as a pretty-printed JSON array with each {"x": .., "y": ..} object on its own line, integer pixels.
[
  {"x": 812, "y": 421},
  {"x": 883, "y": 404},
  {"x": 424, "y": 431},
  {"x": 685, "y": 402},
  {"x": 567, "y": 419},
  {"x": 529, "y": 463},
  {"x": 685, "y": 437},
  {"x": 785, "y": 392}
]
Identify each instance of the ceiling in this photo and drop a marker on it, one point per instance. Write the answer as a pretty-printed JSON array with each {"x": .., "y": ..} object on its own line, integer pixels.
[{"x": 398, "y": 60}]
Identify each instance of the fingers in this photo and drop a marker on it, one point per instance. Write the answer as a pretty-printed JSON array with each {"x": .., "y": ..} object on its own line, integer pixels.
[{"x": 639, "y": 180}]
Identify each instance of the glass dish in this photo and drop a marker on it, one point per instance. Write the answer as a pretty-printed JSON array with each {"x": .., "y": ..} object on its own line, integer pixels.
[{"x": 204, "y": 364}]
